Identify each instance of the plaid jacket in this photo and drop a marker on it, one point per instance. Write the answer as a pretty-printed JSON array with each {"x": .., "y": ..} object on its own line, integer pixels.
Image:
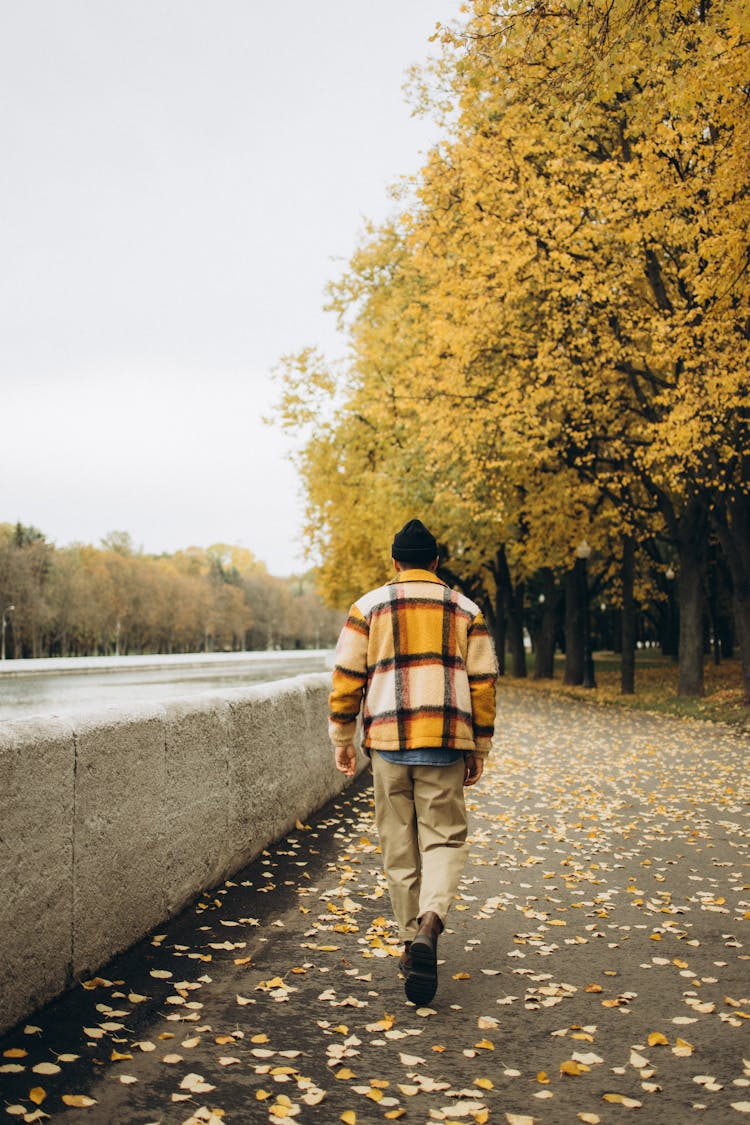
[{"x": 421, "y": 656}]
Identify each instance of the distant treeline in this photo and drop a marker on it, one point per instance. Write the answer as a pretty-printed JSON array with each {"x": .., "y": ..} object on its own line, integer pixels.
[{"x": 81, "y": 600}]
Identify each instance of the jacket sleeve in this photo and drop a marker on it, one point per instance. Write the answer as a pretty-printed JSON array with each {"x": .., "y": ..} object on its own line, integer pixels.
[
  {"x": 481, "y": 667},
  {"x": 349, "y": 679}
]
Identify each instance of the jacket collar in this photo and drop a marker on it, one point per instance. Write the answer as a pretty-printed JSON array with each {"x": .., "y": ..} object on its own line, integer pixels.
[{"x": 417, "y": 575}]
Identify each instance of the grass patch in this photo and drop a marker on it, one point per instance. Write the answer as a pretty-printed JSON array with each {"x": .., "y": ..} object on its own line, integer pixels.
[{"x": 655, "y": 688}]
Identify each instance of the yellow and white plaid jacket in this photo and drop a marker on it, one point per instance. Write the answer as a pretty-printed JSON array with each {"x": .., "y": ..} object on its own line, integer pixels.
[{"x": 420, "y": 655}]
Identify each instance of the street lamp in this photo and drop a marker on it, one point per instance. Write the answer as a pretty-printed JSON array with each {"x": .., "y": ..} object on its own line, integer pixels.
[
  {"x": 583, "y": 551},
  {"x": 8, "y": 609}
]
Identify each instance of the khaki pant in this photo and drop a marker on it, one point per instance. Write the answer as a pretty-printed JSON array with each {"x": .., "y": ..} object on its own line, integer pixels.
[{"x": 421, "y": 820}]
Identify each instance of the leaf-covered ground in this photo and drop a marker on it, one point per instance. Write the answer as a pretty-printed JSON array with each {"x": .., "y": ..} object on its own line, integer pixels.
[
  {"x": 657, "y": 688},
  {"x": 596, "y": 966}
]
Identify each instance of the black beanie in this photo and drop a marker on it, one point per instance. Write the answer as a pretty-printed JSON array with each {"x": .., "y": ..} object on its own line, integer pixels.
[{"x": 414, "y": 544}]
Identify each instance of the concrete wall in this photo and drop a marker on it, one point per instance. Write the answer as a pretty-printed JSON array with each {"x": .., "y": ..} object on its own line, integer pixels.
[{"x": 110, "y": 823}]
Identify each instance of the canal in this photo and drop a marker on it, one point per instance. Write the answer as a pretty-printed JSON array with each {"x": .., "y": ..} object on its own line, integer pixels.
[{"x": 62, "y": 686}]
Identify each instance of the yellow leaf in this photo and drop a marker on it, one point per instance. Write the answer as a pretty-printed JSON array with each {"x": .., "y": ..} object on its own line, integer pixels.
[
  {"x": 262, "y": 1095},
  {"x": 374, "y": 1095},
  {"x": 274, "y": 982},
  {"x": 462, "y": 976},
  {"x": 484, "y": 1083},
  {"x": 622, "y": 1099},
  {"x": 543, "y": 1077},
  {"x": 37, "y": 1095},
  {"x": 15, "y": 1053},
  {"x": 572, "y": 1068},
  {"x": 393, "y": 1114},
  {"x": 94, "y": 983},
  {"x": 79, "y": 1101},
  {"x": 349, "y": 1117},
  {"x": 593, "y": 988},
  {"x": 656, "y": 1039},
  {"x": 116, "y": 1056},
  {"x": 345, "y": 1073},
  {"x": 485, "y": 1045}
]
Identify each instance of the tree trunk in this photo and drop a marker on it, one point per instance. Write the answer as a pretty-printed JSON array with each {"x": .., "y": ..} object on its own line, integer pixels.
[
  {"x": 712, "y": 605},
  {"x": 627, "y": 661},
  {"x": 573, "y": 627},
  {"x": 499, "y": 623},
  {"x": 513, "y": 600},
  {"x": 544, "y": 668},
  {"x": 691, "y": 548},
  {"x": 732, "y": 526},
  {"x": 515, "y": 632}
]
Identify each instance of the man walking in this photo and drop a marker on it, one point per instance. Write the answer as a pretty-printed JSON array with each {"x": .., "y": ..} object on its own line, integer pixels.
[{"x": 420, "y": 656}]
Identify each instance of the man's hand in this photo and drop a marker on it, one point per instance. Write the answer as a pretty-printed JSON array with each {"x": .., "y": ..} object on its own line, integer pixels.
[
  {"x": 473, "y": 767},
  {"x": 346, "y": 760}
]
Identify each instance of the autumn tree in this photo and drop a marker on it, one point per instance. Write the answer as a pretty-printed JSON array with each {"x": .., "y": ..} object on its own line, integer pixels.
[{"x": 551, "y": 341}]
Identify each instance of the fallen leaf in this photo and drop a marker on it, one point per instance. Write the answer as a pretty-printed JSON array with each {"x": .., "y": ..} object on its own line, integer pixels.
[
  {"x": 195, "y": 1084},
  {"x": 78, "y": 1101},
  {"x": 622, "y": 1099},
  {"x": 46, "y": 1068}
]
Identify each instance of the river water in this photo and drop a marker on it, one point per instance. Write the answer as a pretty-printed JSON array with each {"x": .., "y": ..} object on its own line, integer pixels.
[{"x": 63, "y": 686}]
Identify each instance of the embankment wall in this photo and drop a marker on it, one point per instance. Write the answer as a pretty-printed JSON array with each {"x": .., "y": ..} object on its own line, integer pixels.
[{"x": 113, "y": 821}]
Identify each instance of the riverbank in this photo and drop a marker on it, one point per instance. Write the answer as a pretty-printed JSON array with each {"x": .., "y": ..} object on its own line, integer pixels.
[{"x": 115, "y": 818}]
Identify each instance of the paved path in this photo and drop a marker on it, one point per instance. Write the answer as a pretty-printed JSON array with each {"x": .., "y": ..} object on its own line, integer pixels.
[{"x": 596, "y": 965}]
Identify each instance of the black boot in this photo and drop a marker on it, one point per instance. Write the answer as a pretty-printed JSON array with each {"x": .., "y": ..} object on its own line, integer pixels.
[
  {"x": 404, "y": 961},
  {"x": 421, "y": 979}
]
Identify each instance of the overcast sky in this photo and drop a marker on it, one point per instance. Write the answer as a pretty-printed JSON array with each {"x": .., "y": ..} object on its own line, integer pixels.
[{"x": 180, "y": 180}]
